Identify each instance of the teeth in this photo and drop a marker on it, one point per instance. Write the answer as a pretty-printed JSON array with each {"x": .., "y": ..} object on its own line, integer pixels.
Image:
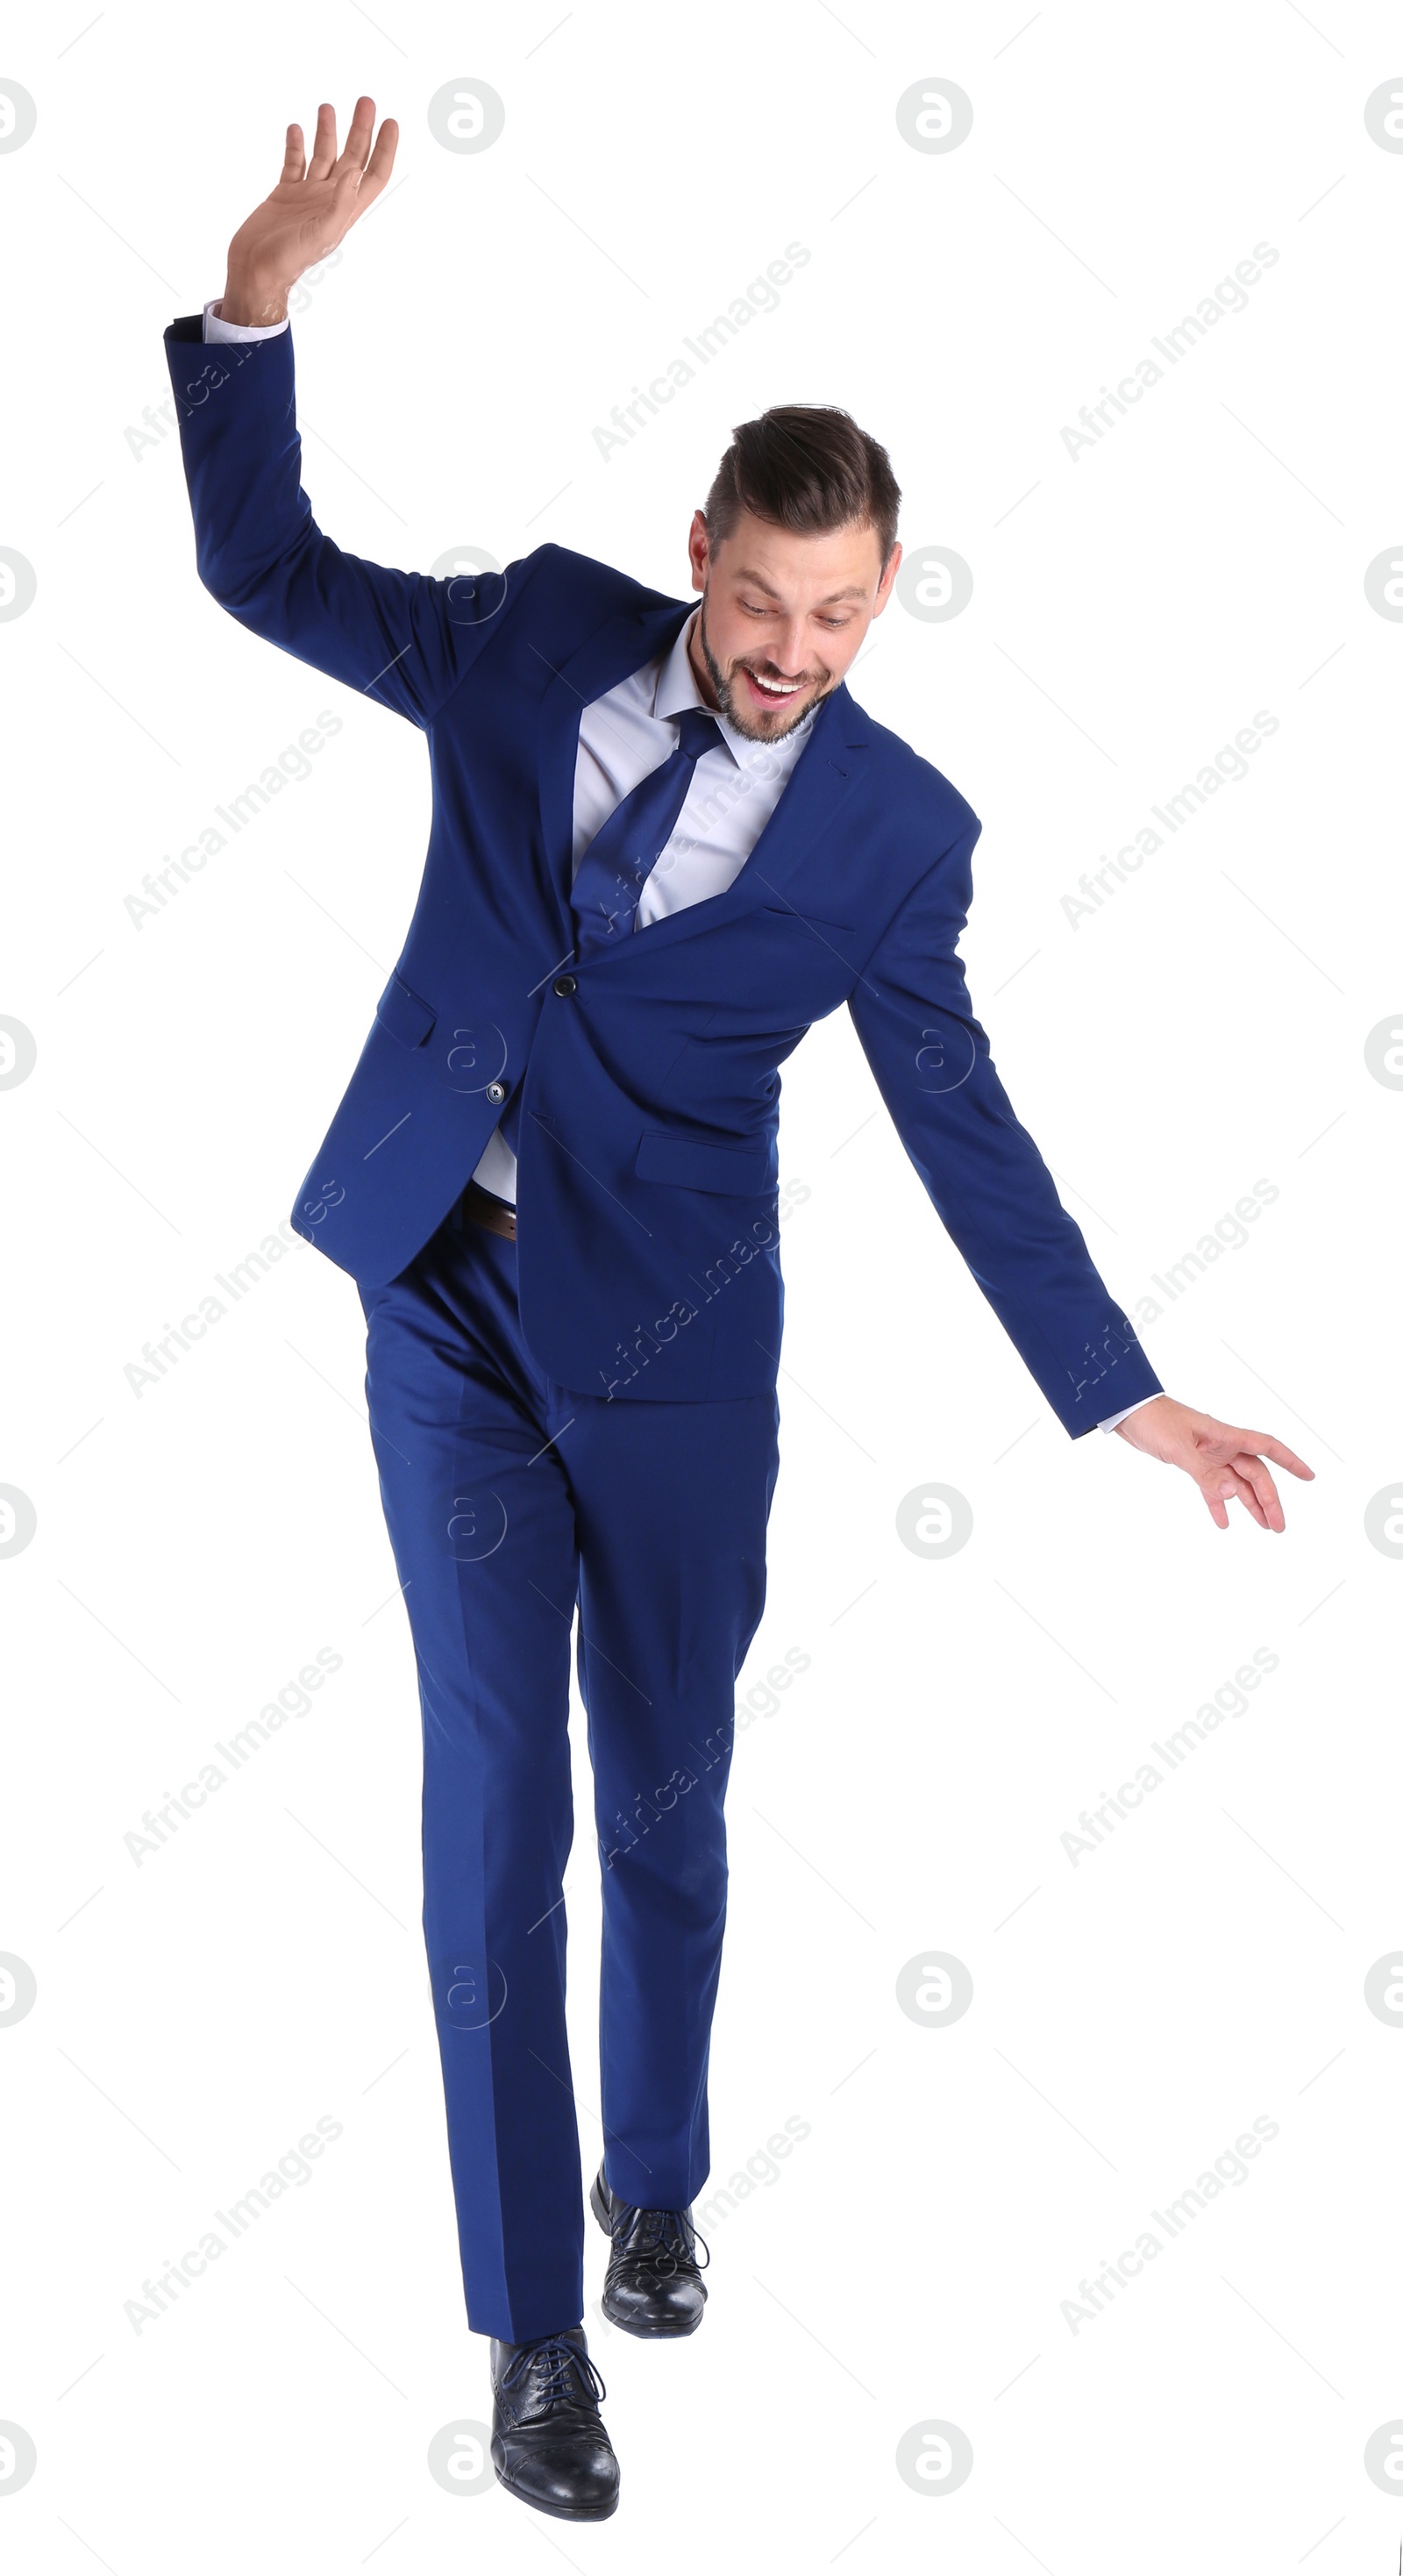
[{"x": 777, "y": 688}]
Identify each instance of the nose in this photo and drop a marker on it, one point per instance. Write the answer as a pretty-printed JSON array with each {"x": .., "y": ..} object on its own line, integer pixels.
[{"x": 788, "y": 658}]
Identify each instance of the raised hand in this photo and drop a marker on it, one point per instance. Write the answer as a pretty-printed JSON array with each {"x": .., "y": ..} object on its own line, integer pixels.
[
  {"x": 311, "y": 209},
  {"x": 1226, "y": 1464}
]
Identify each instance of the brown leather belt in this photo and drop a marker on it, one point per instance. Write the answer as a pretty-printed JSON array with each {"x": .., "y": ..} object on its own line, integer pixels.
[{"x": 480, "y": 1208}]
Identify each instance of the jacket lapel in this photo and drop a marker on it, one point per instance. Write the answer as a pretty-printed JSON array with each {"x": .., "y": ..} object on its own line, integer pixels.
[{"x": 621, "y": 645}]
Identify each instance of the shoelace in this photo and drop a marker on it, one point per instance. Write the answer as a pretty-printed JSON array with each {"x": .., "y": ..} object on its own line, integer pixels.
[
  {"x": 560, "y": 2362},
  {"x": 669, "y": 2240}
]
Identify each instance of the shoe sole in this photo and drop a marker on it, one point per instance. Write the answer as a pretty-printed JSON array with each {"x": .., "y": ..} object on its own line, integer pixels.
[{"x": 628, "y": 2325}]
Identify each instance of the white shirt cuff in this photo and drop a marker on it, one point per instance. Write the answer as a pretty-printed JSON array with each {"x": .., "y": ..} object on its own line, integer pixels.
[
  {"x": 1113, "y": 1418},
  {"x": 217, "y": 329}
]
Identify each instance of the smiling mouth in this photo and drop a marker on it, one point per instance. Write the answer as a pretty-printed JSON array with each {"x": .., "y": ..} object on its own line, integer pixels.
[{"x": 774, "y": 693}]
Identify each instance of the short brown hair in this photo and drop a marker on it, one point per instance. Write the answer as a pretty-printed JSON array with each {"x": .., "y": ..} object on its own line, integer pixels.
[{"x": 806, "y": 467}]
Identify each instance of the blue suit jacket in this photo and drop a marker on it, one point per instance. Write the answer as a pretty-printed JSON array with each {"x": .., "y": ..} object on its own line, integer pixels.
[{"x": 649, "y": 1089}]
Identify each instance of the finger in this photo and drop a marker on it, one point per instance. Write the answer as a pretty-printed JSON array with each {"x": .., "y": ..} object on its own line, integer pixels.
[
  {"x": 1218, "y": 1487},
  {"x": 324, "y": 148},
  {"x": 357, "y": 191},
  {"x": 294, "y": 154},
  {"x": 382, "y": 161},
  {"x": 1262, "y": 1444},
  {"x": 1222, "y": 1487},
  {"x": 1235, "y": 1489},
  {"x": 1259, "y": 1505},
  {"x": 1277, "y": 1451},
  {"x": 357, "y": 150},
  {"x": 1253, "y": 1473}
]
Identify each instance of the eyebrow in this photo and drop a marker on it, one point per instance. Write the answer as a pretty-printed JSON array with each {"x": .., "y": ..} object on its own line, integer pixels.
[{"x": 852, "y": 590}]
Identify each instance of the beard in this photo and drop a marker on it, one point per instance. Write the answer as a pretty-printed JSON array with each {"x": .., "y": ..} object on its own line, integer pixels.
[{"x": 740, "y": 713}]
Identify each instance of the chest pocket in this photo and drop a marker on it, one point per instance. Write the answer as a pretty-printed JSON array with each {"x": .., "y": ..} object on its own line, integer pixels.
[{"x": 839, "y": 934}]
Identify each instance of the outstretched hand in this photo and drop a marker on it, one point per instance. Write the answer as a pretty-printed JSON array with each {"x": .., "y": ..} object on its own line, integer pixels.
[
  {"x": 311, "y": 209},
  {"x": 1226, "y": 1464}
]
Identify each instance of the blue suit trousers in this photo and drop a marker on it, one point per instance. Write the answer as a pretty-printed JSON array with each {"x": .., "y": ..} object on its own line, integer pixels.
[{"x": 509, "y": 1500}]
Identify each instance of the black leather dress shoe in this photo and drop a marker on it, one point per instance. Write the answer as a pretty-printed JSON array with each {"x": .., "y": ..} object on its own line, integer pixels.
[
  {"x": 548, "y": 2444},
  {"x": 653, "y": 2285}
]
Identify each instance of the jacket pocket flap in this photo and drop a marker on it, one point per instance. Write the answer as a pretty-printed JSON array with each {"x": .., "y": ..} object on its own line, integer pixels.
[
  {"x": 738, "y": 1169},
  {"x": 404, "y": 1014},
  {"x": 818, "y": 922}
]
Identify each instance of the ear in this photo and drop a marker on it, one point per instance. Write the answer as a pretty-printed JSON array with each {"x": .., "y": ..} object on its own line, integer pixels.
[
  {"x": 698, "y": 550},
  {"x": 884, "y": 587}
]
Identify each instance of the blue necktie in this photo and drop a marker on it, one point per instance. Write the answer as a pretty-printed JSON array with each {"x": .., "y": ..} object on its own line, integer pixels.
[{"x": 610, "y": 878}]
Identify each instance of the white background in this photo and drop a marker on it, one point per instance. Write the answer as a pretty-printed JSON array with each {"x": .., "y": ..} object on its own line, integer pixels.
[{"x": 197, "y": 1544}]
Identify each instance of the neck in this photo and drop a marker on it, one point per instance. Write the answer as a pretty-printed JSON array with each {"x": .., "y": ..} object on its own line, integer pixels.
[{"x": 697, "y": 659}]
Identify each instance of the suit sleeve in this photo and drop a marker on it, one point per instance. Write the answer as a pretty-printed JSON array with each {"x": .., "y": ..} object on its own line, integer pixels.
[
  {"x": 402, "y": 638},
  {"x": 982, "y": 1171}
]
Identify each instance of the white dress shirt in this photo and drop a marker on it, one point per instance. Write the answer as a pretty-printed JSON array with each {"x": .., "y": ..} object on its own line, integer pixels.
[{"x": 623, "y": 737}]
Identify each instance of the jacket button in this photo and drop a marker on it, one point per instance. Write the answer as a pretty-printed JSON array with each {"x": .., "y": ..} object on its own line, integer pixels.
[
  {"x": 564, "y": 985},
  {"x": 496, "y": 1091}
]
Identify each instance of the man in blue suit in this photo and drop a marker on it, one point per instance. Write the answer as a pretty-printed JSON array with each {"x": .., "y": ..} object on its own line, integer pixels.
[{"x": 665, "y": 840}]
